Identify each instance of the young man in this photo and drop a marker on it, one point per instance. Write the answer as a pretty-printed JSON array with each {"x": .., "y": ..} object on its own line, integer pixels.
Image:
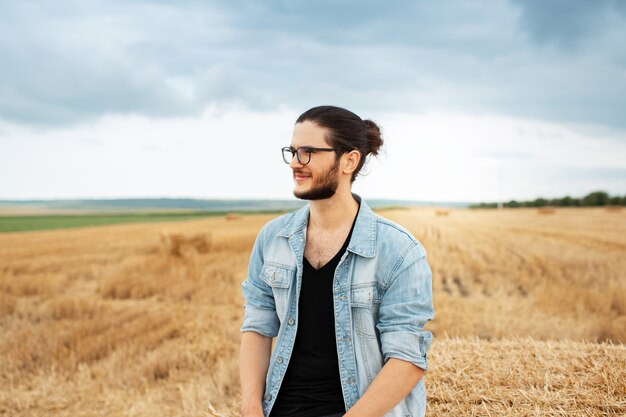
[{"x": 345, "y": 292}]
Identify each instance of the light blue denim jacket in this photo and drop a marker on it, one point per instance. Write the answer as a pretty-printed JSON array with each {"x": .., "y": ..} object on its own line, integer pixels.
[{"x": 382, "y": 292}]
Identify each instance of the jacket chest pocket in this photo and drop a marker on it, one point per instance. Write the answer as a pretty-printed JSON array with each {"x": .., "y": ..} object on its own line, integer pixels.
[
  {"x": 365, "y": 301},
  {"x": 279, "y": 279}
]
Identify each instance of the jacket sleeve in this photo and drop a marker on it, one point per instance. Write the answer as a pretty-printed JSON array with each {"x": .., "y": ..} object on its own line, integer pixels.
[
  {"x": 259, "y": 308},
  {"x": 405, "y": 308}
]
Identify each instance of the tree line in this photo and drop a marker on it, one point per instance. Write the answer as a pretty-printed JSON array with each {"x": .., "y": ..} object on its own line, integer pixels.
[{"x": 594, "y": 199}]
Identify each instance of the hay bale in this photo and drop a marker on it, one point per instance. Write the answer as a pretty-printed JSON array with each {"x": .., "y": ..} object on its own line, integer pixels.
[
  {"x": 546, "y": 210},
  {"x": 177, "y": 244}
]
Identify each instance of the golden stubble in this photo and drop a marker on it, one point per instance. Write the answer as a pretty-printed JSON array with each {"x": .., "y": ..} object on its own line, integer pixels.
[{"x": 143, "y": 319}]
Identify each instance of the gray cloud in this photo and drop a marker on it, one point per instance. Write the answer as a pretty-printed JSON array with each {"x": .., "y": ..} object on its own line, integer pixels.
[
  {"x": 568, "y": 23},
  {"x": 64, "y": 63}
]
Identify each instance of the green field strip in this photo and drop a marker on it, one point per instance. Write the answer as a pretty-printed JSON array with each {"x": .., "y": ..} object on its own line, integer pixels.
[{"x": 65, "y": 221}]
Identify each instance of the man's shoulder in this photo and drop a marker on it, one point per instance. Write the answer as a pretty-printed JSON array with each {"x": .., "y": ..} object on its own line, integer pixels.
[{"x": 391, "y": 233}]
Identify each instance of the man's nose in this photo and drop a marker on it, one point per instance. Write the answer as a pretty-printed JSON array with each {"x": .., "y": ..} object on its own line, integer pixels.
[{"x": 295, "y": 163}]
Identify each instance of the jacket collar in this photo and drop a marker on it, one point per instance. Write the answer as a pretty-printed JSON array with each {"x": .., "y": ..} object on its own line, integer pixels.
[{"x": 363, "y": 240}]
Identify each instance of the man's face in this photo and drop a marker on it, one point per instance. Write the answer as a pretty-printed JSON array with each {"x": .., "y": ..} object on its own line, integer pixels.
[{"x": 319, "y": 178}]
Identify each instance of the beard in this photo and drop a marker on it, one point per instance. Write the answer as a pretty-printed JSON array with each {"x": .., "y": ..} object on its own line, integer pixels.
[{"x": 324, "y": 187}]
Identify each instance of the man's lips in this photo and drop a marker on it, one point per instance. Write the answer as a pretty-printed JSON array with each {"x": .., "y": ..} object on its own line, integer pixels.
[{"x": 301, "y": 177}]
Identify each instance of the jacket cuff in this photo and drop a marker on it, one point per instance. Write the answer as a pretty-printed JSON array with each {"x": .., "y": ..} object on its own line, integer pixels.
[
  {"x": 408, "y": 346},
  {"x": 259, "y": 320}
]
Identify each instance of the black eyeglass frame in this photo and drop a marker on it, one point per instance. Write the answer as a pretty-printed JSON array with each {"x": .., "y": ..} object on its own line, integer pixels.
[{"x": 309, "y": 150}]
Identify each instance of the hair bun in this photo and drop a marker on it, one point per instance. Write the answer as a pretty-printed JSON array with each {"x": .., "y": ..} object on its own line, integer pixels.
[{"x": 374, "y": 138}]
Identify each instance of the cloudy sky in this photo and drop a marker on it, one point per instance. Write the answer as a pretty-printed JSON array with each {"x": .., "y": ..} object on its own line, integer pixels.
[{"x": 478, "y": 100}]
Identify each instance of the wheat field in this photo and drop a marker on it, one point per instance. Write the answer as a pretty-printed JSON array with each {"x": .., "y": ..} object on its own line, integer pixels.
[{"x": 143, "y": 319}]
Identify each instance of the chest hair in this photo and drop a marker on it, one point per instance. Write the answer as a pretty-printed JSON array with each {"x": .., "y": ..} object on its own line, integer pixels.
[{"x": 321, "y": 247}]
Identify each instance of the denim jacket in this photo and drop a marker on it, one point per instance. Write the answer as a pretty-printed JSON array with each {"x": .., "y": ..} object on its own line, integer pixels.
[{"x": 382, "y": 294}]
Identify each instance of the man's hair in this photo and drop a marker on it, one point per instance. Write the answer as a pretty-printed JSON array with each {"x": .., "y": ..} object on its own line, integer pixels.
[{"x": 346, "y": 131}]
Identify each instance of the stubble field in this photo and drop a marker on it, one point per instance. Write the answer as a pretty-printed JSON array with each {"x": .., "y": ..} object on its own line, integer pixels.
[{"x": 143, "y": 319}]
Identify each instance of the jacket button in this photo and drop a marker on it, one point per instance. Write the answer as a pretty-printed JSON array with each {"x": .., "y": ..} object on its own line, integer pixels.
[
  {"x": 291, "y": 322},
  {"x": 268, "y": 397},
  {"x": 279, "y": 359}
]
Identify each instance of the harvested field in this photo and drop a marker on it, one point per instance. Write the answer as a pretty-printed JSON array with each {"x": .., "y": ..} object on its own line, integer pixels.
[{"x": 143, "y": 319}]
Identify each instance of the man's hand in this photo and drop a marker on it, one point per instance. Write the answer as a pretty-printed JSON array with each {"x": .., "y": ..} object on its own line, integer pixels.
[{"x": 394, "y": 382}]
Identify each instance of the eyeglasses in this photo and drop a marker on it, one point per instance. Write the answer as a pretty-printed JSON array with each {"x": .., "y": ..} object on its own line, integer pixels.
[{"x": 303, "y": 153}]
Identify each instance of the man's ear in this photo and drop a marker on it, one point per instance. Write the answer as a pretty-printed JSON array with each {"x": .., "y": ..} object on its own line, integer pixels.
[{"x": 350, "y": 161}]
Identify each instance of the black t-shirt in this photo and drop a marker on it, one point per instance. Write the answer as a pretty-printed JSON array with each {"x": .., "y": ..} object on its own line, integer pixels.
[{"x": 312, "y": 385}]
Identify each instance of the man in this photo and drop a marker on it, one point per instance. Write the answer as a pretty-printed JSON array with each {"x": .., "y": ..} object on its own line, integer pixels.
[{"x": 345, "y": 292}]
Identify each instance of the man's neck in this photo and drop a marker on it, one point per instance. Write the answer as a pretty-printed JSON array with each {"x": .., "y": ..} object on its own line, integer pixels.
[{"x": 333, "y": 213}]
